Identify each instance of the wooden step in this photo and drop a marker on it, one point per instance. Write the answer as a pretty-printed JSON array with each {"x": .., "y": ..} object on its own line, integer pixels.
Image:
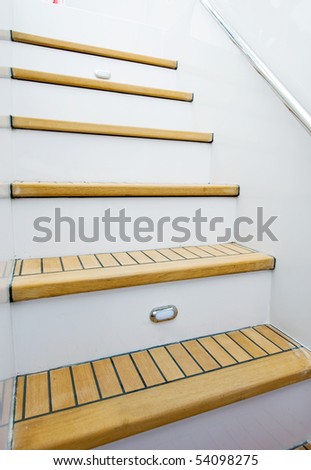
[
  {"x": 27, "y": 189},
  {"x": 102, "y": 85},
  {"x": 36, "y": 124},
  {"x": 92, "y": 50},
  {"x": 304, "y": 446},
  {"x": 50, "y": 277},
  {"x": 78, "y": 406}
]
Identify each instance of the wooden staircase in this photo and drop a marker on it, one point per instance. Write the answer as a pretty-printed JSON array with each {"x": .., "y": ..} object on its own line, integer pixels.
[{"x": 90, "y": 404}]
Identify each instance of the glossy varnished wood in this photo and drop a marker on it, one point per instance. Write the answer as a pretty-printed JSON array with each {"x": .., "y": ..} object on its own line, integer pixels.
[
  {"x": 37, "y": 124},
  {"x": 101, "y": 85},
  {"x": 34, "y": 189},
  {"x": 91, "y": 274},
  {"x": 92, "y": 50},
  {"x": 101, "y": 422}
]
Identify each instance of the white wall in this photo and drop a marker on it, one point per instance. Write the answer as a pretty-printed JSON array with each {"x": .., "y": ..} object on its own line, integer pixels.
[
  {"x": 260, "y": 145},
  {"x": 279, "y": 32},
  {"x": 6, "y": 242}
]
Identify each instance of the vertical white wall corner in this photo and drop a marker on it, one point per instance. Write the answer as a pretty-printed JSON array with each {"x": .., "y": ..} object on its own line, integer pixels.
[{"x": 7, "y": 368}]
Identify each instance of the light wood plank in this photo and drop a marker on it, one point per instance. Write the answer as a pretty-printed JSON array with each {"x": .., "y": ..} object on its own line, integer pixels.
[
  {"x": 31, "y": 266},
  {"x": 19, "y": 406},
  {"x": 17, "y": 267},
  {"x": 240, "y": 249},
  {"x": 92, "y": 50},
  {"x": 184, "y": 253},
  {"x": 274, "y": 337},
  {"x": 202, "y": 357},
  {"x": 108, "y": 381},
  {"x": 124, "y": 259},
  {"x": 34, "y": 189},
  {"x": 211, "y": 250},
  {"x": 285, "y": 336},
  {"x": 85, "y": 384},
  {"x": 140, "y": 257},
  {"x": 71, "y": 263},
  {"x": 147, "y": 368},
  {"x": 89, "y": 261},
  {"x": 27, "y": 123},
  {"x": 217, "y": 351},
  {"x": 52, "y": 265},
  {"x": 37, "y": 395},
  {"x": 224, "y": 249},
  {"x": 166, "y": 364},
  {"x": 101, "y": 85},
  {"x": 264, "y": 343},
  {"x": 127, "y": 373},
  {"x": 156, "y": 256},
  {"x": 90, "y": 280},
  {"x": 107, "y": 260},
  {"x": 247, "y": 344},
  {"x": 170, "y": 254},
  {"x": 200, "y": 253},
  {"x": 184, "y": 360},
  {"x": 308, "y": 446},
  {"x": 236, "y": 351},
  {"x": 62, "y": 394},
  {"x": 103, "y": 422}
]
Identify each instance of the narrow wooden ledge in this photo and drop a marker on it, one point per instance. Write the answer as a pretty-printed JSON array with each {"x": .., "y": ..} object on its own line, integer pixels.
[
  {"x": 33, "y": 189},
  {"x": 35, "y": 124},
  {"x": 92, "y": 50},
  {"x": 49, "y": 277},
  {"x": 119, "y": 396},
  {"x": 101, "y": 85}
]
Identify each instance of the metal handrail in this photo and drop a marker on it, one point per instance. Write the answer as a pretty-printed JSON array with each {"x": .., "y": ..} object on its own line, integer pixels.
[{"x": 292, "y": 104}]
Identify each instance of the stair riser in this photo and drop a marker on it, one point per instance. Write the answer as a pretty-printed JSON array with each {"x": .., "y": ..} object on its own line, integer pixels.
[
  {"x": 87, "y": 27},
  {"x": 84, "y": 65},
  {"x": 76, "y": 328},
  {"x": 78, "y": 104},
  {"x": 53, "y": 156},
  {"x": 26, "y": 211},
  {"x": 274, "y": 421}
]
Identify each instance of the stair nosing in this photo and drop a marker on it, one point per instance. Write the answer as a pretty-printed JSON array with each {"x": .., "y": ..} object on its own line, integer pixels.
[
  {"x": 53, "y": 125},
  {"x": 33, "y": 189},
  {"x": 92, "y": 50},
  {"x": 100, "y": 85}
]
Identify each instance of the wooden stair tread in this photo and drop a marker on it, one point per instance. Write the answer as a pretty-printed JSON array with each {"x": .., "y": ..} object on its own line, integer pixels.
[
  {"x": 145, "y": 396},
  {"x": 92, "y": 50},
  {"x": 102, "y": 85},
  {"x": 37, "y": 124},
  {"x": 32, "y": 282},
  {"x": 24, "y": 189}
]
